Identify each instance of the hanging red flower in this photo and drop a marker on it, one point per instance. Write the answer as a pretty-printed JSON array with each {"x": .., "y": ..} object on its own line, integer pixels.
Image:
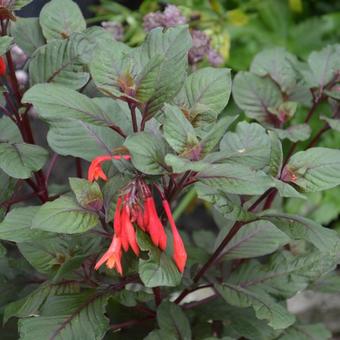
[{"x": 136, "y": 208}]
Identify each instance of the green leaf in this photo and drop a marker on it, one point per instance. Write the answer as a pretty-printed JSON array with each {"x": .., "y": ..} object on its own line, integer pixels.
[
  {"x": 180, "y": 164},
  {"x": 27, "y": 34},
  {"x": 78, "y": 139},
  {"x": 286, "y": 190},
  {"x": 57, "y": 257},
  {"x": 248, "y": 145},
  {"x": 295, "y": 133},
  {"x": 178, "y": 131},
  {"x": 147, "y": 152},
  {"x": 214, "y": 134},
  {"x": 20, "y": 160},
  {"x": 17, "y": 226},
  {"x": 315, "y": 169},
  {"x": 60, "y": 18},
  {"x": 254, "y": 239},
  {"x": 264, "y": 307},
  {"x": 256, "y": 95},
  {"x": 228, "y": 205},
  {"x": 78, "y": 316},
  {"x": 64, "y": 215},
  {"x": 205, "y": 94},
  {"x": 31, "y": 304},
  {"x": 306, "y": 332},
  {"x": 235, "y": 179},
  {"x": 284, "y": 274},
  {"x": 88, "y": 194},
  {"x": 169, "y": 49},
  {"x": 279, "y": 65},
  {"x": 5, "y": 44},
  {"x": 323, "y": 66},
  {"x": 54, "y": 102},
  {"x": 158, "y": 269},
  {"x": 300, "y": 228},
  {"x": 9, "y": 131},
  {"x": 111, "y": 67},
  {"x": 172, "y": 320},
  {"x": 333, "y": 123},
  {"x": 59, "y": 62},
  {"x": 276, "y": 155}
]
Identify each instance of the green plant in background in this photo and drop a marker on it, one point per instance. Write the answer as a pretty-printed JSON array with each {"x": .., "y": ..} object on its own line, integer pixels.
[
  {"x": 240, "y": 29},
  {"x": 102, "y": 257}
]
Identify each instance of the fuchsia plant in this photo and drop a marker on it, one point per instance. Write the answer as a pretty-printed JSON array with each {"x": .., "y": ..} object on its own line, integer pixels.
[{"x": 153, "y": 134}]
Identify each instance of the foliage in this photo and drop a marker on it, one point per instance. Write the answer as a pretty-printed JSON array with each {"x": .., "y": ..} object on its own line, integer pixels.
[{"x": 246, "y": 143}]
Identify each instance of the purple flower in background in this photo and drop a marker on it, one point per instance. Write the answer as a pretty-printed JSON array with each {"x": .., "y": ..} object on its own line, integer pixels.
[
  {"x": 152, "y": 20},
  {"x": 169, "y": 18},
  {"x": 200, "y": 46},
  {"x": 173, "y": 17},
  {"x": 214, "y": 58},
  {"x": 115, "y": 28}
]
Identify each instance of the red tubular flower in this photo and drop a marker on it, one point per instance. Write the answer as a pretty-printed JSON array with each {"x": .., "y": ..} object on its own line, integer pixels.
[
  {"x": 180, "y": 254},
  {"x": 155, "y": 227},
  {"x": 95, "y": 169},
  {"x": 2, "y": 66},
  {"x": 112, "y": 256},
  {"x": 128, "y": 231}
]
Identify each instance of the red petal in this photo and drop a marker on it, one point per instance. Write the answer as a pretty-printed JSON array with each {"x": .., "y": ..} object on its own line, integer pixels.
[
  {"x": 155, "y": 227},
  {"x": 131, "y": 234},
  {"x": 180, "y": 254},
  {"x": 95, "y": 171},
  {"x": 123, "y": 234}
]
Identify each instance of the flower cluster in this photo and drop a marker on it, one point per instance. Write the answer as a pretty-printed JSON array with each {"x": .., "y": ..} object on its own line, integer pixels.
[
  {"x": 115, "y": 28},
  {"x": 136, "y": 208},
  {"x": 201, "y": 43},
  {"x": 169, "y": 18}
]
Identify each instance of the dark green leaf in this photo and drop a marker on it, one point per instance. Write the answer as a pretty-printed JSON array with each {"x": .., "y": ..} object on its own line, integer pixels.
[
  {"x": 147, "y": 152},
  {"x": 78, "y": 316},
  {"x": 20, "y": 160},
  {"x": 64, "y": 215},
  {"x": 248, "y": 145},
  {"x": 254, "y": 239},
  {"x": 205, "y": 94},
  {"x": 301, "y": 228},
  {"x": 264, "y": 307},
  {"x": 60, "y": 18},
  {"x": 17, "y": 226},
  {"x": 315, "y": 169},
  {"x": 178, "y": 131},
  {"x": 28, "y": 34},
  {"x": 256, "y": 95},
  {"x": 59, "y": 62},
  {"x": 88, "y": 194},
  {"x": 172, "y": 320},
  {"x": 159, "y": 269}
]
